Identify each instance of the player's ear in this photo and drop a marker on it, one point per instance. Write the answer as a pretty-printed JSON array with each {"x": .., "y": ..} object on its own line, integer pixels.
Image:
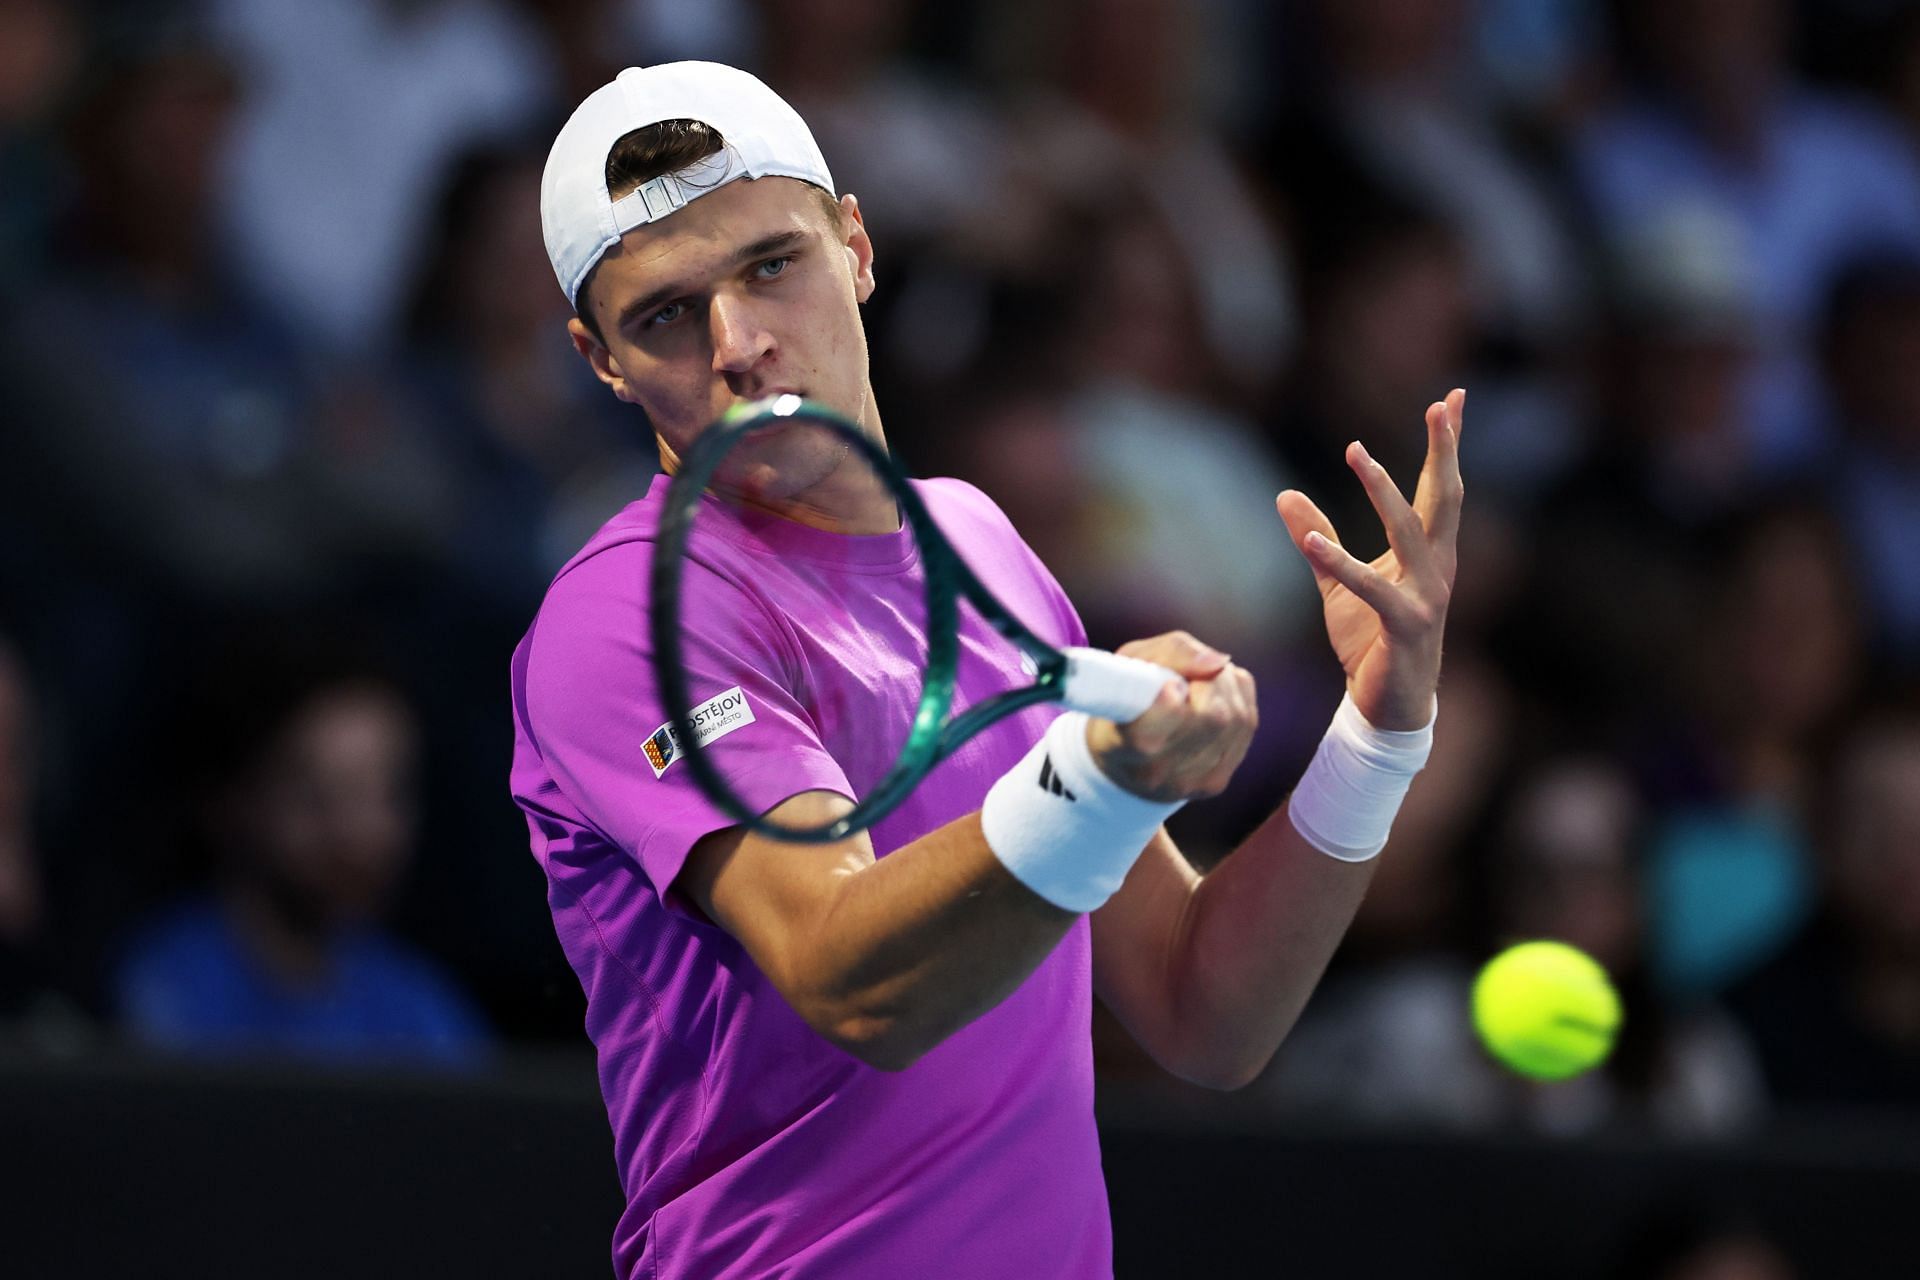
[
  {"x": 601, "y": 360},
  {"x": 859, "y": 248}
]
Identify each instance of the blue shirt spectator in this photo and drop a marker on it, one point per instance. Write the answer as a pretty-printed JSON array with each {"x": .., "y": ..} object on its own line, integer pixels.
[
  {"x": 304, "y": 762},
  {"x": 1808, "y": 179},
  {"x": 192, "y": 981}
]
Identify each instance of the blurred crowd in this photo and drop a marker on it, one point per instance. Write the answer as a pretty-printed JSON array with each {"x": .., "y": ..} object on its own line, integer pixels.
[{"x": 293, "y": 440}]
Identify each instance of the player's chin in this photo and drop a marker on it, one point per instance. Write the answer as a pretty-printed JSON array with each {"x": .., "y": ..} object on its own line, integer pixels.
[{"x": 775, "y": 474}]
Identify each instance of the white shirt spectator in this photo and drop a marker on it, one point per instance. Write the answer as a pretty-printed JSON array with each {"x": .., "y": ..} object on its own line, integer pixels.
[
  {"x": 1831, "y": 180},
  {"x": 353, "y": 109}
]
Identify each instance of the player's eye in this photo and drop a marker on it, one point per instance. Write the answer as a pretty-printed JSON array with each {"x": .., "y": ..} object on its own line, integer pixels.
[
  {"x": 774, "y": 266},
  {"x": 666, "y": 315}
]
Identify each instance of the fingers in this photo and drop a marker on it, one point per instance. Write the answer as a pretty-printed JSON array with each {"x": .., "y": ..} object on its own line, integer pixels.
[
  {"x": 1440, "y": 494},
  {"x": 1302, "y": 518},
  {"x": 1226, "y": 705},
  {"x": 1191, "y": 659},
  {"x": 1422, "y": 534},
  {"x": 1397, "y": 608},
  {"x": 1406, "y": 533},
  {"x": 1178, "y": 651},
  {"x": 1187, "y": 745},
  {"x": 1153, "y": 729}
]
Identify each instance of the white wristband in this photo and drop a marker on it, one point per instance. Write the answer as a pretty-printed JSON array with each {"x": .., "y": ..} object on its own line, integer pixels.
[
  {"x": 1346, "y": 801},
  {"x": 1064, "y": 829}
]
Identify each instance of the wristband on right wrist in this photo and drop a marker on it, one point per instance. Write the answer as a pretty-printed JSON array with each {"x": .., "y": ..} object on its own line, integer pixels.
[
  {"x": 1063, "y": 828},
  {"x": 1348, "y": 797}
]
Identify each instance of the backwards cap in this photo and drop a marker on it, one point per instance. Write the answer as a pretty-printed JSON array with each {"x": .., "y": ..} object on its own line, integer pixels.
[{"x": 764, "y": 138}]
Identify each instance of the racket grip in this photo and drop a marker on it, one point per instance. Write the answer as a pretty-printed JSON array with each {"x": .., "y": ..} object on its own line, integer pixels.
[{"x": 1110, "y": 686}]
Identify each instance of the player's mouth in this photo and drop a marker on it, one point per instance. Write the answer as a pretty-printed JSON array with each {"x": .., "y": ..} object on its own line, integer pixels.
[{"x": 767, "y": 394}]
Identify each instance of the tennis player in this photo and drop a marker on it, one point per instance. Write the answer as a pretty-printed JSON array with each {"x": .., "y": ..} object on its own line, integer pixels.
[{"x": 872, "y": 1059}]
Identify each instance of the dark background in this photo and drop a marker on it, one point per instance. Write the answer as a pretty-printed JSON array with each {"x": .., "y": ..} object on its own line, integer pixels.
[
  {"x": 290, "y": 430},
  {"x": 168, "y": 1172}
]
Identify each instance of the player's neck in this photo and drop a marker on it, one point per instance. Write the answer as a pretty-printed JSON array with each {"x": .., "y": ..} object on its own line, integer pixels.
[
  {"x": 850, "y": 499},
  {"x": 841, "y": 517}
]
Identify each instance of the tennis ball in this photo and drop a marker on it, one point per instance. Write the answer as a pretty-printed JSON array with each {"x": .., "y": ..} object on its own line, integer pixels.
[{"x": 1545, "y": 1009}]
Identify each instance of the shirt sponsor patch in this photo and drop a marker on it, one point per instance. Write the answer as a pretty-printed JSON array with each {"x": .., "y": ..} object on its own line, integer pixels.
[{"x": 717, "y": 717}]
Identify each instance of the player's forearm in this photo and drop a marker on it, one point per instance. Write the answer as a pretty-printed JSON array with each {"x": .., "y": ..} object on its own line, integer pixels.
[
  {"x": 1256, "y": 937},
  {"x": 1259, "y": 931},
  {"x": 915, "y": 946},
  {"x": 889, "y": 957}
]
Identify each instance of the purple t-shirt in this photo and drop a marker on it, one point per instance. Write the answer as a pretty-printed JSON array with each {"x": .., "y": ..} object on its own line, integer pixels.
[{"x": 747, "y": 1144}]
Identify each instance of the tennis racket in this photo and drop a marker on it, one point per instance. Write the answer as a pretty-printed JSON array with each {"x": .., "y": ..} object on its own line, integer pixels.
[{"x": 1090, "y": 680}]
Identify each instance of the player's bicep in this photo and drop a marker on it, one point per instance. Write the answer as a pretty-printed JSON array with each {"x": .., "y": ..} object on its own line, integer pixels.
[
  {"x": 771, "y": 895},
  {"x": 1136, "y": 946}
]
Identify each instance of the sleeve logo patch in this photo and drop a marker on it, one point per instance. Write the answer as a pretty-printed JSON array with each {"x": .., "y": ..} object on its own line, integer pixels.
[{"x": 715, "y": 718}]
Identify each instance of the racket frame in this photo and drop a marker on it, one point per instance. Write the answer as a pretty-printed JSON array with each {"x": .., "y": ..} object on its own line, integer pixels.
[{"x": 935, "y": 733}]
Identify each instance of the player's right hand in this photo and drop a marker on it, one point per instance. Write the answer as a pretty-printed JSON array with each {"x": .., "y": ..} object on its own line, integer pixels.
[{"x": 1188, "y": 743}]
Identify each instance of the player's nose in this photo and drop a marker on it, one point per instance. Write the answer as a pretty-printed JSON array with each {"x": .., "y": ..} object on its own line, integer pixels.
[{"x": 740, "y": 340}]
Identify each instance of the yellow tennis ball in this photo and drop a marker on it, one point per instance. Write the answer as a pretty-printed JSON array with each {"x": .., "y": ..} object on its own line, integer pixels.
[{"x": 1545, "y": 1009}]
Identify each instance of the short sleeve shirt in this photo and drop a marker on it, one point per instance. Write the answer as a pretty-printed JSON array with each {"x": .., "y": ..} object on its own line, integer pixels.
[{"x": 747, "y": 1144}]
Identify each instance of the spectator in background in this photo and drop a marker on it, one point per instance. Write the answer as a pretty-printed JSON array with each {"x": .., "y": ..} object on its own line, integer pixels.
[
  {"x": 1175, "y": 533},
  {"x": 40, "y": 44},
  {"x": 1398, "y": 93},
  {"x": 1871, "y": 348},
  {"x": 1716, "y": 118},
  {"x": 161, "y": 400},
  {"x": 305, "y": 801},
  {"x": 170, "y": 422},
  {"x": 534, "y": 459},
  {"x": 1617, "y": 539},
  {"x": 1778, "y": 663},
  {"x": 931, "y": 146},
  {"x": 1836, "y": 1015},
  {"x": 170, "y": 448},
  {"x": 1387, "y": 122},
  {"x": 1397, "y": 1045},
  {"x": 151, "y": 405},
  {"x": 1544, "y": 60},
  {"x": 589, "y": 42},
  {"x": 1121, "y": 108},
  {"x": 716, "y": 30},
  {"x": 1388, "y": 318},
  {"x": 355, "y": 108},
  {"x": 40, "y": 47}
]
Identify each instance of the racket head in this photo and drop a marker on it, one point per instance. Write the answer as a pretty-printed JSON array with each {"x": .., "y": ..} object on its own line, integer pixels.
[{"x": 744, "y": 455}]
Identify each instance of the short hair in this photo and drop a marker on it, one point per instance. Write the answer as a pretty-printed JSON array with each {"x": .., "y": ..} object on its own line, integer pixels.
[{"x": 644, "y": 154}]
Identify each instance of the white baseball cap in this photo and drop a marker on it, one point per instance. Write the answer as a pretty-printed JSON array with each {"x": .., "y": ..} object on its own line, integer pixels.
[{"x": 764, "y": 138}]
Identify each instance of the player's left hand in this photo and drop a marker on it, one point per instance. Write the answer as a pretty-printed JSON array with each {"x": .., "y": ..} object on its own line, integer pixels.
[{"x": 1386, "y": 618}]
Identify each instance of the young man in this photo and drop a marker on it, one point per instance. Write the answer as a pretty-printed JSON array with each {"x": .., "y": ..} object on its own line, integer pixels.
[{"x": 872, "y": 1059}]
